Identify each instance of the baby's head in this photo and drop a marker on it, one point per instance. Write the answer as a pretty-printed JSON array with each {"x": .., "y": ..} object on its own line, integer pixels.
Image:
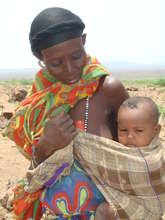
[{"x": 138, "y": 122}]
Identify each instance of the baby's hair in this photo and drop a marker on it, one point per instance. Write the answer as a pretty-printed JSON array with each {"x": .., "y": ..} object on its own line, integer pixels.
[{"x": 135, "y": 101}]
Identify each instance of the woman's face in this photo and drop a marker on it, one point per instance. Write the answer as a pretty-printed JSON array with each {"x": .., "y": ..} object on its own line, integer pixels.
[{"x": 65, "y": 61}]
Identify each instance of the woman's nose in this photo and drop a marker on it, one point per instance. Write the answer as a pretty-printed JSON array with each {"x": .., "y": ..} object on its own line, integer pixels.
[{"x": 68, "y": 66}]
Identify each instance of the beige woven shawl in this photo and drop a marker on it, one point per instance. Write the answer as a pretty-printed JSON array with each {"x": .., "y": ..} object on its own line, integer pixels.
[{"x": 132, "y": 180}]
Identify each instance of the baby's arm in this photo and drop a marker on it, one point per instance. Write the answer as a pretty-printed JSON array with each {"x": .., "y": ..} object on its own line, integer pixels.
[{"x": 104, "y": 212}]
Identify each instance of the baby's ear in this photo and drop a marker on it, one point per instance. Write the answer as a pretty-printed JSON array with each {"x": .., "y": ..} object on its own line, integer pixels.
[{"x": 157, "y": 129}]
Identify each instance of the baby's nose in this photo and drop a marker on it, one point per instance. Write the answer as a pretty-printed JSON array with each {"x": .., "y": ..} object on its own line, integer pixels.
[{"x": 130, "y": 135}]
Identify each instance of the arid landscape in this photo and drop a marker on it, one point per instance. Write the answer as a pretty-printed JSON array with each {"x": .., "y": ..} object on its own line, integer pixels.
[{"x": 13, "y": 165}]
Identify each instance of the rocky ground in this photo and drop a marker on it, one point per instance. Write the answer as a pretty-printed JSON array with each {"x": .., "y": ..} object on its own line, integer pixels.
[{"x": 13, "y": 165}]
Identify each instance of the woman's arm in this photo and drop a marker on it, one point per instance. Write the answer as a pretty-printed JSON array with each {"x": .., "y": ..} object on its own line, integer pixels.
[{"x": 116, "y": 94}]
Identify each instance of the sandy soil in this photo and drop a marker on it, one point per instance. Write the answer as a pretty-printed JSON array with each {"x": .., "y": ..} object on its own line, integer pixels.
[{"x": 13, "y": 165}]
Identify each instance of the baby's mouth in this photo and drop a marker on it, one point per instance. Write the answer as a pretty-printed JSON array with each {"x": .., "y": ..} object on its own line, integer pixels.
[{"x": 130, "y": 145}]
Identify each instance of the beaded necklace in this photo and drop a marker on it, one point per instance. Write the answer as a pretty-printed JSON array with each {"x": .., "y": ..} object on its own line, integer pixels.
[
  {"x": 83, "y": 124},
  {"x": 86, "y": 113}
]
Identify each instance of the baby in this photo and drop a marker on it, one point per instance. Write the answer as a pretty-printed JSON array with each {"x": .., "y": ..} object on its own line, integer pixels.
[{"x": 138, "y": 124}]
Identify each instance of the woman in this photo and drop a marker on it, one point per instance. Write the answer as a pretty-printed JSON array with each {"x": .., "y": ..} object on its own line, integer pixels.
[{"x": 73, "y": 79}]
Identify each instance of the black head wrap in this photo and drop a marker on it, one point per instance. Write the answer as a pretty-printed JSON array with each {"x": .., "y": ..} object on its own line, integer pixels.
[{"x": 52, "y": 26}]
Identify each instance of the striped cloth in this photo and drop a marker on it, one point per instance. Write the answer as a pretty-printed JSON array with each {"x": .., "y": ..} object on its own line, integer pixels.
[{"x": 132, "y": 180}]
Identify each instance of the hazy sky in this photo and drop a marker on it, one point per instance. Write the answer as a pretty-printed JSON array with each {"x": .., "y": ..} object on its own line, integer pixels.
[{"x": 126, "y": 30}]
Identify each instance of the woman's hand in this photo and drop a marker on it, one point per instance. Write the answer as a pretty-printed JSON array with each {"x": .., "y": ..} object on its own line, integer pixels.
[{"x": 57, "y": 134}]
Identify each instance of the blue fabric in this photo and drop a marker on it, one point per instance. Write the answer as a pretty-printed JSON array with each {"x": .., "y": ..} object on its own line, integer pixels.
[{"x": 75, "y": 195}]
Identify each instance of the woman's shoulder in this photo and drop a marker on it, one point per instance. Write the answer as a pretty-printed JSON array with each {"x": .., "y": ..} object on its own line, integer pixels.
[
  {"x": 112, "y": 86},
  {"x": 114, "y": 90}
]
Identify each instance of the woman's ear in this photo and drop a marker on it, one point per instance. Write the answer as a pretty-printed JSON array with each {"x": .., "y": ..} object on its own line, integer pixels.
[
  {"x": 84, "y": 38},
  {"x": 41, "y": 63}
]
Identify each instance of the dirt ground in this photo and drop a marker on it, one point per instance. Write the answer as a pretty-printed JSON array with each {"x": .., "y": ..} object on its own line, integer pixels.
[{"x": 13, "y": 165}]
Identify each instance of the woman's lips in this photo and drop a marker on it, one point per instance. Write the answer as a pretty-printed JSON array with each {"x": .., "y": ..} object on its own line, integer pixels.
[{"x": 71, "y": 81}]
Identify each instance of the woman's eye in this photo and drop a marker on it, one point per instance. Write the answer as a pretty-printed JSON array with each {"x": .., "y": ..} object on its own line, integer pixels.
[
  {"x": 55, "y": 64},
  {"x": 77, "y": 55}
]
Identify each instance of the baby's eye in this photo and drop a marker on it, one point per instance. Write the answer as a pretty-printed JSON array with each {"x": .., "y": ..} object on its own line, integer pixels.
[
  {"x": 122, "y": 129},
  {"x": 139, "y": 130}
]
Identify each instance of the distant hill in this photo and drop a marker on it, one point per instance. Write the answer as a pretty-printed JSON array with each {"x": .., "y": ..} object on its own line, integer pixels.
[
  {"x": 139, "y": 74},
  {"x": 128, "y": 66},
  {"x": 8, "y": 74},
  {"x": 121, "y": 69},
  {"x": 127, "y": 70}
]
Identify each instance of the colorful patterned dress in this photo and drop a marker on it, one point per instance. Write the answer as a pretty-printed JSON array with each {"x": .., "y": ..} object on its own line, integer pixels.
[{"x": 75, "y": 197}]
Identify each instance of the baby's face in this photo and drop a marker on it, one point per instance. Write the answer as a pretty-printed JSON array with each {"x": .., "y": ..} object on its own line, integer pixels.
[{"x": 136, "y": 127}]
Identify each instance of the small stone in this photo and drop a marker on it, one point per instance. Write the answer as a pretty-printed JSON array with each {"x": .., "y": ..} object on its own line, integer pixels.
[{"x": 132, "y": 88}]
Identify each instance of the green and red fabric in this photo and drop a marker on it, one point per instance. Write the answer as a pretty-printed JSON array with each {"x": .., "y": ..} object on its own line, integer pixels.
[
  {"x": 47, "y": 98},
  {"x": 26, "y": 205}
]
